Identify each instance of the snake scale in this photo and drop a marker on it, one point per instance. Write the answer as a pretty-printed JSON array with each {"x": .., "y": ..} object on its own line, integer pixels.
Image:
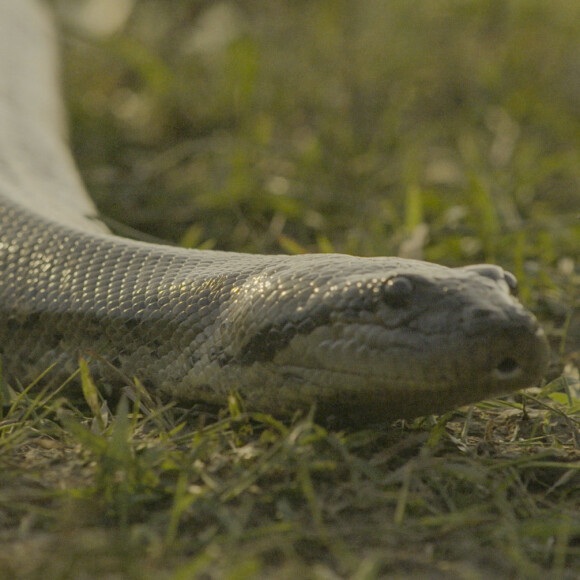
[{"x": 377, "y": 338}]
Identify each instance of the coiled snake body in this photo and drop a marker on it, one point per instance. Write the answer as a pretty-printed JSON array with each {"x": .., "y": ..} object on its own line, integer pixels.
[{"x": 378, "y": 337}]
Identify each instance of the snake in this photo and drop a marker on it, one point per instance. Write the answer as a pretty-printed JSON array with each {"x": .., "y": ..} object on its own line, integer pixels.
[{"x": 372, "y": 338}]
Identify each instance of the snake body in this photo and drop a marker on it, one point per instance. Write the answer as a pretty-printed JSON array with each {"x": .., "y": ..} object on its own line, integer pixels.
[{"x": 378, "y": 337}]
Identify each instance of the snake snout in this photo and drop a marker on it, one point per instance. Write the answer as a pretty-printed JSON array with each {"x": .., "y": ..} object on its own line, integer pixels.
[
  {"x": 522, "y": 356},
  {"x": 497, "y": 274}
]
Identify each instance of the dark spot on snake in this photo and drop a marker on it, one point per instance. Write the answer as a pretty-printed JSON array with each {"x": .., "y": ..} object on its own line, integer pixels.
[
  {"x": 29, "y": 322},
  {"x": 264, "y": 345},
  {"x": 217, "y": 356},
  {"x": 55, "y": 340},
  {"x": 223, "y": 359},
  {"x": 155, "y": 345},
  {"x": 131, "y": 324}
]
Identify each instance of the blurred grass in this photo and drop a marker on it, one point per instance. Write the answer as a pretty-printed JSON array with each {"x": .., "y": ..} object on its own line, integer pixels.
[
  {"x": 322, "y": 119},
  {"x": 447, "y": 130}
]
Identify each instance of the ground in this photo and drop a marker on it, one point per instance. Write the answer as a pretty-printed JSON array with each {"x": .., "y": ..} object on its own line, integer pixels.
[{"x": 446, "y": 130}]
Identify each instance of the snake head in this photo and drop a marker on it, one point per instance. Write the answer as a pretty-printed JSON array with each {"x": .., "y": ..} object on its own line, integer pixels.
[{"x": 381, "y": 337}]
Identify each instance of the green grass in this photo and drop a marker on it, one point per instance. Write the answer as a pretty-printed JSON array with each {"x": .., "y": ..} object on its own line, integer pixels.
[{"x": 446, "y": 130}]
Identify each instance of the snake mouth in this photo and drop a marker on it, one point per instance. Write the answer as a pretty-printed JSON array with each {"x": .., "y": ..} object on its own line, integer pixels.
[
  {"x": 385, "y": 367},
  {"x": 429, "y": 388}
]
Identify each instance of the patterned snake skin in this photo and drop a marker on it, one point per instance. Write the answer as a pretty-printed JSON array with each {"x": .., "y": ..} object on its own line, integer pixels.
[{"x": 374, "y": 337}]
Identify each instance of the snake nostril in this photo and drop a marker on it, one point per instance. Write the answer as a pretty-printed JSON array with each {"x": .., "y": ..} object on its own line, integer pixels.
[
  {"x": 512, "y": 283},
  {"x": 508, "y": 367}
]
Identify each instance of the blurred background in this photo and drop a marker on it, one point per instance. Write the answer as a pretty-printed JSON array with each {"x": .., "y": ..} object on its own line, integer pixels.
[{"x": 445, "y": 130}]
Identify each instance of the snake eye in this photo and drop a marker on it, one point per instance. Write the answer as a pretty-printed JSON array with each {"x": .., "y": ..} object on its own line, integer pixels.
[{"x": 397, "y": 292}]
